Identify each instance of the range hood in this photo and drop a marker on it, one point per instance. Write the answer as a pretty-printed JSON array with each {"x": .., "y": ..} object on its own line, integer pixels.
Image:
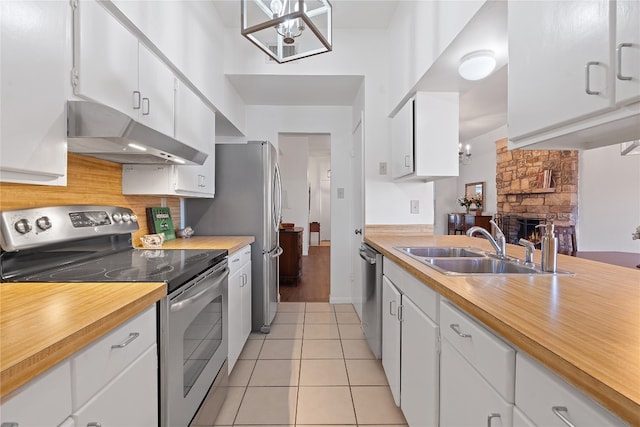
[{"x": 97, "y": 130}]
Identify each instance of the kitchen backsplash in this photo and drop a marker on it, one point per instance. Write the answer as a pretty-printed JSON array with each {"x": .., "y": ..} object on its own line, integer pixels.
[{"x": 90, "y": 181}]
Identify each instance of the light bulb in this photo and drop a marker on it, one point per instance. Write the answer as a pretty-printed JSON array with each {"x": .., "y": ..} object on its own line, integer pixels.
[
  {"x": 276, "y": 7},
  {"x": 477, "y": 65}
]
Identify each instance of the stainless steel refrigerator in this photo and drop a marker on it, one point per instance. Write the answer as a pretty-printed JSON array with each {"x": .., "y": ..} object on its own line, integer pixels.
[{"x": 248, "y": 201}]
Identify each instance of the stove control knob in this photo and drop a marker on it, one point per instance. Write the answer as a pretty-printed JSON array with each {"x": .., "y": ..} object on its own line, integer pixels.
[
  {"x": 23, "y": 226},
  {"x": 126, "y": 217},
  {"x": 117, "y": 217},
  {"x": 134, "y": 218},
  {"x": 43, "y": 223}
]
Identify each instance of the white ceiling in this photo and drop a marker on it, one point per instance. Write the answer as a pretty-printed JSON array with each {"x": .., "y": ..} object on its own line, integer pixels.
[{"x": 483, "y": 104}]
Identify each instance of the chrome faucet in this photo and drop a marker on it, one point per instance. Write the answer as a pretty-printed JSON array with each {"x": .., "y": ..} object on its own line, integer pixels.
[
  {"x": 530, "y": 248},
  {"x": 499, "y": 243}
]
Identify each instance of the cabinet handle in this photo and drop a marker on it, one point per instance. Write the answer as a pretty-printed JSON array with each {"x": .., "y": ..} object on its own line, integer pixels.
[
  {"x": 391, "y": 304},
  {"x": 558, "y": 410},
  {"x": 236, "y": 260},
  {"x": 132, "y": 336},
  {"x": 619, "y": 57},
  {"x": 136, "y": 99},
  {"x": 407, "y": 158},
  {"x": 587, "y": 78},
  {"x": 400, "y": 313},
  {"x": 491, "y": 417},
  {"x": 94, "y": 424},
  {"x": 9, "y": 424},
  {"x": 456, "y": 329},
  {"x": 145, "y": 103}
]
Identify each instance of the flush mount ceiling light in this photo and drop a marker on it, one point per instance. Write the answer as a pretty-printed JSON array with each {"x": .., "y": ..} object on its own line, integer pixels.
[
  {"x": 287, "y": 30},
  {"x": 477, "y": 65}
]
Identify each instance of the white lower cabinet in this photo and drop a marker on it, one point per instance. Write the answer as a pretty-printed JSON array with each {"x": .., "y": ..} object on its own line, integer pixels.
[
  {"x": 45, "y": 401},
  {"x": 391, "y": 300},
  {"x": 549, "y": 401},
  {"x": 239, "y": 325},
  {"x": 129, "y": 400},
  {"x": 477, "y": 376},
  {"x": 410, "y": 352},
  {"x": 112, "y": 382},
  {"x": 466, "y": 398}
]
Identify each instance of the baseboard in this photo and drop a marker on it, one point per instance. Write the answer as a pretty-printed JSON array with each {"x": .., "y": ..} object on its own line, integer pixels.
[{"x": 340, "y": 300}]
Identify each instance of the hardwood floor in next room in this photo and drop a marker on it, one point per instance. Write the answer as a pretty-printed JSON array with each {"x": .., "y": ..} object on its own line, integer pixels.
[{"x": 314, "y": 285}]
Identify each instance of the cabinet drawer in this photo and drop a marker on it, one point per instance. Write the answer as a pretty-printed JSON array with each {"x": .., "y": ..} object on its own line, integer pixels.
[
  {"x": 44, "y": 401},
  {"x": 422, "y": 295},
  {"x": 539, "y": 391},
  {"x": 100, "y": 362},
  {"x": 487, "y": 353},
  {"x": 239, "y": 258}
]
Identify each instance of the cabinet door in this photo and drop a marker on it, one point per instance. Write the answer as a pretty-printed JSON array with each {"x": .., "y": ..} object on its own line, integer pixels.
[
  {"x": 156, "y": 84},
  {"x": 245, "y": 291},
  {"x": 551, "y": 45},
  {"x": 105, "y": 59},
  {"x": 419, "y": 366},
  {"x": 391, "y": 300},
  {"x": 235, "y": 310},
  {"x": 466, "y": 399},
  {"x": 131, "y": 399},
  {"x": 402, "y": 141},
  {"x": 34, "y": 128},
  {"x": 627, "y": 51}
]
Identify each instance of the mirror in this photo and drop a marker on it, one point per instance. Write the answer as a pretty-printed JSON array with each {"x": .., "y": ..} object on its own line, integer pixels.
[{"x": 475, "y": 189}]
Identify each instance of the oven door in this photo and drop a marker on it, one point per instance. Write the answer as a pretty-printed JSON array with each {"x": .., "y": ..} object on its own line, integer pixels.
[{"x": 196, "y": 343}]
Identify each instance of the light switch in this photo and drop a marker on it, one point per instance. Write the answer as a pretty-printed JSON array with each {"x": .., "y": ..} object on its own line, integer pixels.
[
  {"x": 383, "y": 168},
  {"x": 415, "y": 206},
  {"x": 340, "y": 193}
]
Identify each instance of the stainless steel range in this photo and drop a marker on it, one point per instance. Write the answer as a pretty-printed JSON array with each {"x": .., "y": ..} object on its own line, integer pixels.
[{"x": 93, "y": 244}]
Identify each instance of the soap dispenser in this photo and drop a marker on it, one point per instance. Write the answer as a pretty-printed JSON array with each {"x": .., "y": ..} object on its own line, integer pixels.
[{"x": 549, "y": 248}]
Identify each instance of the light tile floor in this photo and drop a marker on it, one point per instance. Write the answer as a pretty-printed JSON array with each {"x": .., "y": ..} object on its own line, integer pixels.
[{"x": 313, "y": 369}]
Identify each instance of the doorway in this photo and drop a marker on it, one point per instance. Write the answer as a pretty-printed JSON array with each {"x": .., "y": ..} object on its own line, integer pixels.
[{"x": 305, "y": 164}]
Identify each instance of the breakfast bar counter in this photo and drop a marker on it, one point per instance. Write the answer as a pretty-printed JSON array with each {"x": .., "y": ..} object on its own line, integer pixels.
[{"x": 584, "y": 327}]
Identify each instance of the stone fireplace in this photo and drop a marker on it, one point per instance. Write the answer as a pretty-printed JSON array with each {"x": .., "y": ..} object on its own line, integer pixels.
[{"x": 535, "y": 186}]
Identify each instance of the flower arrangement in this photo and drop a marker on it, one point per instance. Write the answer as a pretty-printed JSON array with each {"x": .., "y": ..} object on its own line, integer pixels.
[
  {"x": 466, "y": 202},
  {"x": 477, "y": 200}
]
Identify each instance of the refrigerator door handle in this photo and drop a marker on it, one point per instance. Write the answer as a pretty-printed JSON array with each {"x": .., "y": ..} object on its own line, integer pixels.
[
  {"x": 277, "y": 214},
  {"x": 276, "y": 252}
]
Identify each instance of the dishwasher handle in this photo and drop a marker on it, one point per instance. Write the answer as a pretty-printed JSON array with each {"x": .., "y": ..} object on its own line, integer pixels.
[{"x": 366, "y": 257}]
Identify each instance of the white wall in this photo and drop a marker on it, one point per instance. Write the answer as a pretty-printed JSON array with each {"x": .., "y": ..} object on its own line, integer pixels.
[
  {"x": 293, "y": 154},
  {"x": 608, "y": 200},
  {"x": 481, "y": 169},
  {"x": 267, "y": 122}
]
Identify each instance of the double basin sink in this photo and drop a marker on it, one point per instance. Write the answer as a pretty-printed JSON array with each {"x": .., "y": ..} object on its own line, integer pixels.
[{"x": 465, "y": 261}]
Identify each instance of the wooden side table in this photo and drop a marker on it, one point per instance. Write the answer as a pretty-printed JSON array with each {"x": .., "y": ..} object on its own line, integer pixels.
[{"x": 291, "y": 258}]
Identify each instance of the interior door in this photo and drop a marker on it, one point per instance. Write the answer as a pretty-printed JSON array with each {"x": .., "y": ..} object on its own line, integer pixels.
[{"x": 357, "y": 212}]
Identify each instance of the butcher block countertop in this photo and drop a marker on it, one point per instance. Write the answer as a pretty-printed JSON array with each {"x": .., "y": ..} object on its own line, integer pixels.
[
  {"x": 585, "y": 327},
  {"x": 41, "y": 324},
  {"x": 230, "y": 243}
]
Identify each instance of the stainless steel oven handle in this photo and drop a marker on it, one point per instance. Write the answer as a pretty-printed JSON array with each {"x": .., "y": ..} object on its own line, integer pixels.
[{"x": 179, "y": 305}]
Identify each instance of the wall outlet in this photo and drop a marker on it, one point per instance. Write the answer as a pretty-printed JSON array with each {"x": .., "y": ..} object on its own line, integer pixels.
[
  {"x": 340, "y": 193},
  {"x": 415, "y": 207},
  {"x": 383, "y": 168}
]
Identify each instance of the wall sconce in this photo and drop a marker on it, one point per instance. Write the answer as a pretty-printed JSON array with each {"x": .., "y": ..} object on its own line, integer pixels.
[
  {"x": 477, "y": 65},
  {"x": 464, "y": 158},
  {"x": 287, "y": 30}
]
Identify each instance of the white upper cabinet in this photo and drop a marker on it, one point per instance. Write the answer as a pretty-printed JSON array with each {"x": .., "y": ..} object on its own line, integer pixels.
[
  {"x": 111, "y": 67},
  {"x": 424, "y": 140},
  {"x": 564, "y": 90},
  {"x": 33, "y": 43},
  {"x": 105, "y": 59},
  {"x": 627, "y": 51}
]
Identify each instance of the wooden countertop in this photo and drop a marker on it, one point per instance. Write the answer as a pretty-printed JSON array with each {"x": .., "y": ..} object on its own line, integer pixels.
[
  {"x": 41, "y": 324},
  {"x": 584, "y": 327},
  {"x": 230, "y": 243}
]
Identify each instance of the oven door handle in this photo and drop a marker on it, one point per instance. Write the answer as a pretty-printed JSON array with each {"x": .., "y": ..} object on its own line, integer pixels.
[{"x": 180, "y": 304}]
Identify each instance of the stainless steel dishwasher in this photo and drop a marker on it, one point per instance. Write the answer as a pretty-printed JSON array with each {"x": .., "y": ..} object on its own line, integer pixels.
[{"x": 372, "y": 298}]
